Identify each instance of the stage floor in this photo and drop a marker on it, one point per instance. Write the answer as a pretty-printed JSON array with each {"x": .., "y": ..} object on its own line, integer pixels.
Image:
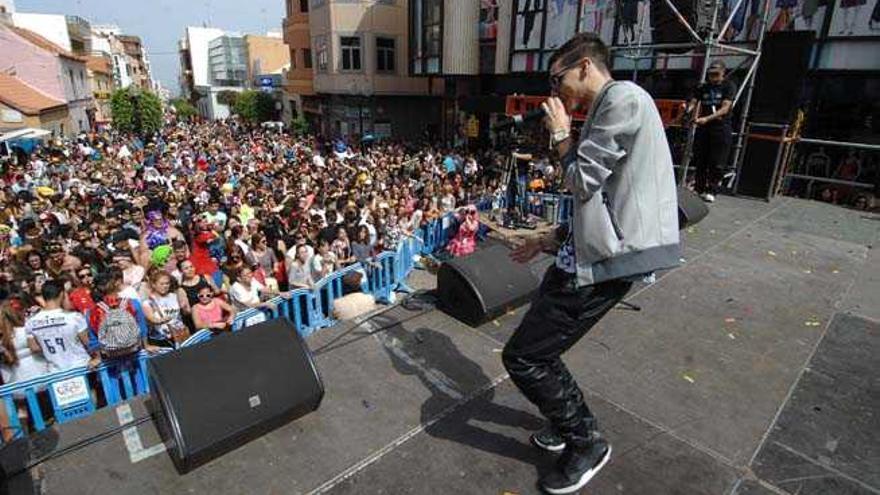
[{"x": 752, "y": 369}]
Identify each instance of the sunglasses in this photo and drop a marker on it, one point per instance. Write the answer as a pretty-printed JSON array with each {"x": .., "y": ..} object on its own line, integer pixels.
[
  {"x": 85, "y": 274},
  {"x": 206, "y": 296},
  {"x": 556, "y": 77}
]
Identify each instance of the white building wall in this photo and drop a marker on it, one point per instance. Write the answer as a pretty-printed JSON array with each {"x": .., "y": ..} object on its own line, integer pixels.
[
  {"x": 50, "y": 26},
  {"x": 77, "y": 92},
  {"x": 198, "y": 39}
]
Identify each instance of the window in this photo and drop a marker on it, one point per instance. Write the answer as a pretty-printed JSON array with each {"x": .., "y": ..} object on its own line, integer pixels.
[
  {"x": 385, "y": 54},
  {"x": 351, "y": 52},
  {"x": 292, "y": 59},
  {"x": 321, "y": 53},
  {"x": 72, "y": 82},
  {"x": 307, "y": 58},
  {"x": 426, "y": 36},
  {"x": 303, "y": 6}
]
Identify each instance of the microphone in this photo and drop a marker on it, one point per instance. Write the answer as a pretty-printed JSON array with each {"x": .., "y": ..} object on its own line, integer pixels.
[{"x": 520, "y": 120}]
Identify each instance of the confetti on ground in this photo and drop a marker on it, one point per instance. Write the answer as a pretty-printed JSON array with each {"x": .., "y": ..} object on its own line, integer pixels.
[
  {"x": 730, "y": 320},
  {"x": 688, "y": 378},
  {"x": 712, "y": 231},
  {"x": 495, "y": 322},
  {"x": 732, "y": 336},
  {"x": 808, "y": 271},
  {"x": 811, "y": 323},
  {"x": 771, "y": 253},
  {"x": 497, "y": 350},
  {"x": 835, "y": 271},
  {"x": 691, "y": 230}
]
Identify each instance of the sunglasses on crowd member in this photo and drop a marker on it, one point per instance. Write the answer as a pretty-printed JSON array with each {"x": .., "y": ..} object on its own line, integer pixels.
[
  {"x": 85, "y": 274},
  {"x": 206, "y": 296}
]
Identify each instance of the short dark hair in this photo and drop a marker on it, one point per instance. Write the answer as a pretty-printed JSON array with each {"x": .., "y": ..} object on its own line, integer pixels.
[
  {"x": 52, "y": 289},
  {"x": 582, "y": 45}
]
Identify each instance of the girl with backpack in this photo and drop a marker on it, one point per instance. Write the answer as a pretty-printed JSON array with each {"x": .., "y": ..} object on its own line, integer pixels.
[{"x": 117, "y": 325}]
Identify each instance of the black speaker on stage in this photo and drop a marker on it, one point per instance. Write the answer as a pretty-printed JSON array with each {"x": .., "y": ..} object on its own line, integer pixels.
[
  {"x": 762, "y": 159},
  {"x": 779, "y": 83},
  {"x": 216, "y": 396},
  {"x": 691, "y": 208},
  {"x": 483, "y": 285}
]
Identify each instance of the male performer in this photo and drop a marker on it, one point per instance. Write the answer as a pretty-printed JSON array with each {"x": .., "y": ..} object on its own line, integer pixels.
[
  {"x": 625, "y": 226},
  {"x": 714, "y": 130}
]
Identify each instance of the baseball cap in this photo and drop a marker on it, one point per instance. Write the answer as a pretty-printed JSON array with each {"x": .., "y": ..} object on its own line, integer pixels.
[{"x": 717, "y": 66}]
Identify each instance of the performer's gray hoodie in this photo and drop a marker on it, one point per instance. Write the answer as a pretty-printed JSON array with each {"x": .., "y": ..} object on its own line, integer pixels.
[{"x": 621, "y": 176}]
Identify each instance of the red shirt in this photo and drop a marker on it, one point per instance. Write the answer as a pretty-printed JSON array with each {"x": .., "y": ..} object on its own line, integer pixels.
[
  {"x": 201, "y": 255},
  {"x": 81, "y": 299}
]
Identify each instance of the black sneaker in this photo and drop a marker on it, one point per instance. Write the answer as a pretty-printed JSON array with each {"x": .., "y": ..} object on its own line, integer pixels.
[
  {"x": 575, "y": 470},
  {"x": 548, "y": 439}
]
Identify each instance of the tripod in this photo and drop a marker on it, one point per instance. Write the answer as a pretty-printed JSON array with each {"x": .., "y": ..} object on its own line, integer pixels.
[{"x": 515, "y": 215}]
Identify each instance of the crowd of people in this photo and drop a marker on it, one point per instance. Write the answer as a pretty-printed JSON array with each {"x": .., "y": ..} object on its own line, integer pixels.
[{"x": 187, "y": 228}]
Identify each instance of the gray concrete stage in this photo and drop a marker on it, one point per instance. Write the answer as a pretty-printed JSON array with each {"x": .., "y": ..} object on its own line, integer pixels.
[{"x": 752, "y": 369}]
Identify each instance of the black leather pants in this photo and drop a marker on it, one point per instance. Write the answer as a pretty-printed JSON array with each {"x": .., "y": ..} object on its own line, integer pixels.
[{"x": 559, "y": 316}]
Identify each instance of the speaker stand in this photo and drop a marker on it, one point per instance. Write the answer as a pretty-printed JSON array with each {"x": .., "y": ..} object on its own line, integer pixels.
[{"x": 630, "y": 306}]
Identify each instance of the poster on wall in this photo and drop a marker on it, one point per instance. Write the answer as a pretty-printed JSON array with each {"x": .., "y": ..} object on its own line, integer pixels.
[
  {"x": 597, "y": 16},
  {"x": 488, "y": 20},
  {"x": 856, "y": 18},
  {"x": 561, "y": 22},
  {"x": 785, "y": 15},
  {"x": 633, "y": 22},
  {"x": 529, "y": 21}
]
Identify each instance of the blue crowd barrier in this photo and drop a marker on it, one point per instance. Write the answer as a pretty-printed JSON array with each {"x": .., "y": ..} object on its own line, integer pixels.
[{"x": 79, "y": 392}]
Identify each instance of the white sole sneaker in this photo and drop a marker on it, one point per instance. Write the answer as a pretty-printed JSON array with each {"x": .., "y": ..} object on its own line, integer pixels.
[
  {"x": 548, "y": 447},
  {"x": 584, "y": 479}
]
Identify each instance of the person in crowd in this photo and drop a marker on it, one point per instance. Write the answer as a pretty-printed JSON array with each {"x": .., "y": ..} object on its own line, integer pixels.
[
  {"x": 465, "y": 240},
  {"x": 60, "y": 336},
  {"x": 247, "y": 292},
  {"x": 164, "y": 309},
  {"x": 212, "y": 312},
  {"x": 191, "y": 282},
  {"x": 299, "y": 274}
]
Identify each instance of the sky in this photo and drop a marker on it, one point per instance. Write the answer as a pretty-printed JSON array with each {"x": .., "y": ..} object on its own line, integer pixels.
[{"x": 160, "y": 23}]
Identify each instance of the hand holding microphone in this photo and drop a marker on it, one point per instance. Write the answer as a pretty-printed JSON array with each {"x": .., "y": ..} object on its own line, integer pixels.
[{"x": 556, "y": 119}]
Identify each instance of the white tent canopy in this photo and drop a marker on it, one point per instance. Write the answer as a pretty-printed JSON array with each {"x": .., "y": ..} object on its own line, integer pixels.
[{"x": 24, "y": 133}]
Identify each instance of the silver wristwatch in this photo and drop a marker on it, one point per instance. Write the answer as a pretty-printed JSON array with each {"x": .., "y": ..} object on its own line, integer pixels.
[{"x": 558, "y": 137}]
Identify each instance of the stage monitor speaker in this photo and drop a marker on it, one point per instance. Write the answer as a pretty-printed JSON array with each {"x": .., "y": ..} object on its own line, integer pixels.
[
  {"x": 691, "y": 209},
  {"x": 215, "y": 396},
  {"x": 761, "y": 161},
  {"x": 483, "y": 285},
  {"x": 779, "y": 83}
]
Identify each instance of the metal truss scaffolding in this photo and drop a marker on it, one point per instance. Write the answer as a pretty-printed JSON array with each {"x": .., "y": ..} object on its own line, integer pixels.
[{"x": 706, "y": 46}]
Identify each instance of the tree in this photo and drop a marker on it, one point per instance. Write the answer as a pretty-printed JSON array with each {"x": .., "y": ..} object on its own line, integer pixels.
[
  {"x": 227, "y": 97},
  {"x": 136, "y": 111},
  {"x": 184, "y": 109},
  {"x": 254, "y": 106},
  {"x": 300, "y": 125},
  {"x": 246, "y": 105}
]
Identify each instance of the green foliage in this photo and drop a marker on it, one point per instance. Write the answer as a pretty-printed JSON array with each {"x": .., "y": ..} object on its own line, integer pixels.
[
  {"x": 227, "y": 97},
  {"x": 265, "y": 107},
  {"x": 136, "y": 111},
  {"x": 300, "y": 125},
  {"x": 184, "y": 109},
  {"x": 254, "y": 106},
  {"x": 246, "y": 106}
]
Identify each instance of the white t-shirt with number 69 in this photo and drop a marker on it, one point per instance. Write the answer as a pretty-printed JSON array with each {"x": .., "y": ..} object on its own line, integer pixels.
[{"x": 57, "y": 333}]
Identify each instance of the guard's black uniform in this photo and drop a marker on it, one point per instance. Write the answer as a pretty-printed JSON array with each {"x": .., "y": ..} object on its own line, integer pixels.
[{"x": 713, "y": 140}]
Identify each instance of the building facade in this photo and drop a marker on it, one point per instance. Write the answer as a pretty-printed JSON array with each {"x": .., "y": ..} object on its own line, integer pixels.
[
  {"x": 194, "y": 64},
  {"x": 265, "y": 55},
  {"x": 299, "y": 80},
  {"x": 359, "y": 52},
  {"x": 49, "y": 69},
  {"x": 22, "y": 106},
  {"x": 100, "y": 71},
  {"x": 489, "y": 49}
]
